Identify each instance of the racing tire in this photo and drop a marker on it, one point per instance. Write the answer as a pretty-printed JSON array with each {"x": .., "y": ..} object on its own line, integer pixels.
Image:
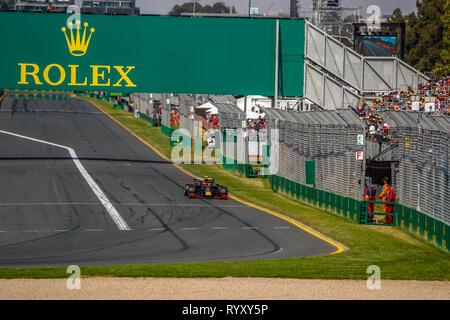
[
  {"x": 223, "y": 191},
  {"x": 186, "y": 190},
  {"x": 190, "y": 190}
]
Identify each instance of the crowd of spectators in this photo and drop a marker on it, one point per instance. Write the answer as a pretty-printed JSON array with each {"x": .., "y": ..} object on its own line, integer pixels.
[
  {"x": 377, "y": 128},
  {"x": 211, "y": 118},
  {"x": 432, "y": 97},
  {"x": 256, "y": 124}
]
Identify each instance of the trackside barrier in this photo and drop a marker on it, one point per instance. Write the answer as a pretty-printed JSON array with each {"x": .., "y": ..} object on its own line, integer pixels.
[
  {"x": 364, "y": 217},
  {"x": 167, "y": 130},
  {"x": 408, "y": 219},
  {"x": 153, "y": 122}
]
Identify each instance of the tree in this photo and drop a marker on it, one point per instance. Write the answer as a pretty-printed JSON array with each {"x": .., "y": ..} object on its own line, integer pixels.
[
  {"x": 7, "y": 4},
  {"x": 188, "y": 7},
  {"x": 185, "y": 7},
  {"x": 443, "y": 67},
  {"x": 424, "y": 31}
]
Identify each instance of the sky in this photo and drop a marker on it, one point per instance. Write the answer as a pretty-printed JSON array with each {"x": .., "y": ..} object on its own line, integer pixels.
[{"x": 386, "y": 6}]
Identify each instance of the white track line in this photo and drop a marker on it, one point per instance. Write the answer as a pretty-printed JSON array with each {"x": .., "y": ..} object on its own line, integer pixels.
[
  {"x": 121, "y": 224},
  {"x": 47, "y": 204}
]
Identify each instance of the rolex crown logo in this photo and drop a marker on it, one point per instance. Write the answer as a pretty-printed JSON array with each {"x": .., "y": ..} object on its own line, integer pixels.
[{"x": 78, "y": 46}]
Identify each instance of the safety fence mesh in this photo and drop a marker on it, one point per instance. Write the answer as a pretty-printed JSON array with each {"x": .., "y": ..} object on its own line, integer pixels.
[
  {"x": 329, "y": 139},
  {"x": 421, "y": 152}
]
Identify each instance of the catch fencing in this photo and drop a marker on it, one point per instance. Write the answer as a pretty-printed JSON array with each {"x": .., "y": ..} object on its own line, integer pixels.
[
  {"x": 422, "y": 143},
  {"x": 321, "y": 145},
  {"x": 318, "y": 165}
]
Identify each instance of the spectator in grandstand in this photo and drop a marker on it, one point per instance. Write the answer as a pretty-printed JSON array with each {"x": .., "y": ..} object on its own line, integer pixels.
[
  {"x": 214, "y": 120},
  {"x": 256, "y": 124},
  {"x": 376, "y": 127}
]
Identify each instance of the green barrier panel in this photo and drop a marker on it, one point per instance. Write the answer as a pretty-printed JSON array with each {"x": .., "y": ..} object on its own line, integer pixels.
[
  {"x": 359, "y": 207},
  {"x": 351, "y": 208},
  {"x": 315, "y": 196},
  {"x": 286, "y": 185},
  {"x": 320, "y": 199},
  {"x": 333, "y": 202},
  {"x": 327, "y": 200},
  {"x": 447, "y": 237},
  {"x": 293, "y": 190},
  {"x": 297, "y": 191},
  {"x": 438, "y": 232},
  {"x": 430, "y": 228},
  {"x": 414, "y": 221},
  {"x": 275, "y": 183},
  {"x": 407, "y": 215},
  {"x": 338, "y": 204},
  {"x": 311, "y": 195},
  {"x": 422, "y": 223},
  {"x": 344, "y": 207},
  {"x": 400, "y": 219}
]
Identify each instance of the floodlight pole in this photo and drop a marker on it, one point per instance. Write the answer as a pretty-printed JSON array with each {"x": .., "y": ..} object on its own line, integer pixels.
[{"x": 249, "y": 7}]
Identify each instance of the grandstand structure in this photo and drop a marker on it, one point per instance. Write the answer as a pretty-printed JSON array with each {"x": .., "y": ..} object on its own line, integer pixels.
[{"x": 337, "y": 76}]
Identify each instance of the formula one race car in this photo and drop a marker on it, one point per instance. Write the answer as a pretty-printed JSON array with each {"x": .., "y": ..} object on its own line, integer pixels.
[{"x": 205, "y": 188}]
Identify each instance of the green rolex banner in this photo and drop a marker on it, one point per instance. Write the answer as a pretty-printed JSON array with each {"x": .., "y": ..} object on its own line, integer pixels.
[{"x": 150, "y": 54}]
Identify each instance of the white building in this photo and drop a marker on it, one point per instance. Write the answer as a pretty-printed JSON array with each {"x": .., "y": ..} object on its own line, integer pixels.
[{"x": 255, "y": 102}]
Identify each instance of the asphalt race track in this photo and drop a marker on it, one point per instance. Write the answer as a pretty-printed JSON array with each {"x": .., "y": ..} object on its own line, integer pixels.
[
  {"x": 372, "y": 49},
  {"x": 51, "y": 216}
]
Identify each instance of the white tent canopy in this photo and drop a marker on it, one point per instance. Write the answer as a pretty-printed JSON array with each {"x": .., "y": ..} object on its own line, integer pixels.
[
  {"x": 255, "y": 115},
  {"x": 209, "y": 107}
]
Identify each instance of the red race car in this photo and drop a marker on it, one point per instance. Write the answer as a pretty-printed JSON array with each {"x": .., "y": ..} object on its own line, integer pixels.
[{"x": 205, "y": 188}]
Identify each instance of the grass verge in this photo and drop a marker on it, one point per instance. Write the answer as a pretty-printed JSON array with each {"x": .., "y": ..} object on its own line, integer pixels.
[{"x": 400, "y": 255}]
